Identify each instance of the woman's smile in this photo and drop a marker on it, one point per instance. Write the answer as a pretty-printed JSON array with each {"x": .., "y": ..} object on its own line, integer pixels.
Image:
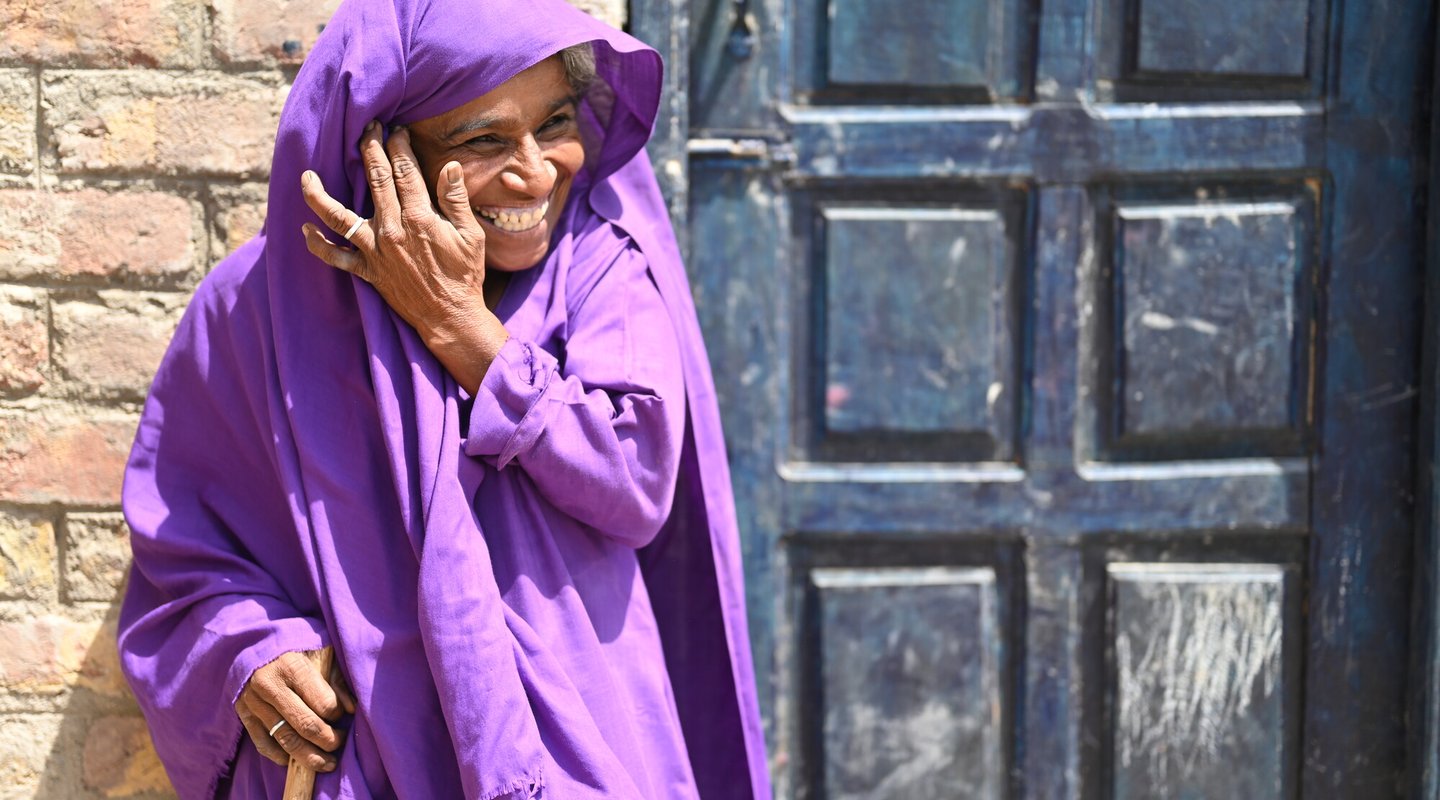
[{"x": 516, "y": 219}]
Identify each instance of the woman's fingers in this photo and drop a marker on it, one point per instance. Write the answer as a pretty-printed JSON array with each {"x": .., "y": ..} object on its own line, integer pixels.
[
  {"x": 332, "y": 212},
  {"x": 409, "y": 184},
  {"x": 260, "y": 734},
  {"x": 291, "y": 689},
  {"x": 294, "y": 746},
  {"x": 276, "y": 741},
  {"x": 342, "y": 691},
  {"x": 316, "y": 694},
  {"x": 347, "y": 700},
  {"x": 455, "y": 205},
  {"x": 382, "y": 181},
  {"x": 339, "y": 257},
  {"x": 293, "y": 686}
]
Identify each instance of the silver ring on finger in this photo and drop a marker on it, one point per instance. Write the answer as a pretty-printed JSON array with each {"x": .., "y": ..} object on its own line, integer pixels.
[
  {"x": 359, "y": 220},
  {"x": 276, "y": 727}
]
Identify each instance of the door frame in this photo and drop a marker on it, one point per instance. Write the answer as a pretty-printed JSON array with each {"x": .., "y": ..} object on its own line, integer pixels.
[
  {"x": 666, "y": 25},
  {"x": 1424, "y": 778}
]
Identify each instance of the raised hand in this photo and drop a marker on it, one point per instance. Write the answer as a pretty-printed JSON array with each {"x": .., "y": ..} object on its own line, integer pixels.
[{"x": 428, "y": 265}]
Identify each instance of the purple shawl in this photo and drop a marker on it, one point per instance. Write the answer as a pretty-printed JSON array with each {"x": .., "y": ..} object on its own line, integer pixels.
[{"x": 300, "y": 457}]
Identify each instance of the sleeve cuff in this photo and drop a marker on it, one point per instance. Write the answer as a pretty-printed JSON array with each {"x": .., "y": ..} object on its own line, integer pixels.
[
  {"x": 505, "y": 419},
  {"x": 284, "y": 636}
]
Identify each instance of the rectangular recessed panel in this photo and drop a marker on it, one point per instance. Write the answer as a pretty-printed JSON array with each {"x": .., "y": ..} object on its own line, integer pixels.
[
  {"x": 916, "y": 336},
  {"x": 1199, "y": 680},
  {"x": 1208, "y": 318},
  {"x": 928, "y": 44},
  {"x": 909, "y": 682},
  {"x": 1246, "y": 38}
]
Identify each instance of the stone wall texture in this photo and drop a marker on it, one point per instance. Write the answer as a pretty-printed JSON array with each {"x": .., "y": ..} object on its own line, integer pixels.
[{"x": 135, "y": 140}]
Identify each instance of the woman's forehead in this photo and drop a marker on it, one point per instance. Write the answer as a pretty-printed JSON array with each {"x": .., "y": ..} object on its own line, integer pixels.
[{"x": 540, "y": 90}]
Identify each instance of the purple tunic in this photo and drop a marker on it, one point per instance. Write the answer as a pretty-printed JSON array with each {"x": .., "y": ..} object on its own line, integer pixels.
[{"x": 535, "y": 591}]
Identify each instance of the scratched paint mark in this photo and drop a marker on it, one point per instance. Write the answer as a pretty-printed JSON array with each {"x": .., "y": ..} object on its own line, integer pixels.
[
  {"x": 957, "y": 250},
  {"x": 1198, "y": 660},
  {"x": 1165, "y": 322}
]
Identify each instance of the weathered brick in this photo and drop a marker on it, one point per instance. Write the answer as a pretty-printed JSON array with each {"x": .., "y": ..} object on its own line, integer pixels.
[
  {"x": 24, "y": 339},
  {"x": 239, "y": 213},
  {"x": 97, "y": 555},
  {"x": 91, "y": 233},
  {"x": 271, "y": 32},
  {"x": 91, "y": 658},
  {"x": 53, "y": 455},
  {"x": 120, "y": 758},
  {"x": 609, "y": 11},
  {"x": 40, "y": 655},
  {"x": 162, "y": 123},
  {"x": 103, "y": 33},
  {"x": 17, "y": 120},
  {"x": 50, "y": 653},
  {"x": 110, "y": 345},
  {"x": 27, "y": 556},
  {"x": 268, "y": 31},
  {"x": 26, "y": 745},
  {"x": 30, "y": 659}
]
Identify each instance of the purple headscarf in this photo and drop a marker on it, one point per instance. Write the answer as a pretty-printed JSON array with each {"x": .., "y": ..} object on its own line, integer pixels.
[{"x": 298, "y": 477}]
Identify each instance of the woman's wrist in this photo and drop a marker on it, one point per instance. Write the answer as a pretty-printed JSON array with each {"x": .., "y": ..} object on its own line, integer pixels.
[{"x": 466, "y": 345}]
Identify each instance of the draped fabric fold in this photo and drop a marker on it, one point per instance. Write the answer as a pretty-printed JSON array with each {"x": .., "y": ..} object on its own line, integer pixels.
[{"x": 300, "y": 474}]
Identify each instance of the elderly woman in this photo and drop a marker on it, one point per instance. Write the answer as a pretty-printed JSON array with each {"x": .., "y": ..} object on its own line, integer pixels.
[{"x": 474, "y": 448}]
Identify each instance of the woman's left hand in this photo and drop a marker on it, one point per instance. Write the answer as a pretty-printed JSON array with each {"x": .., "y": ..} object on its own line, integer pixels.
[{"x": 428, "y": 266}]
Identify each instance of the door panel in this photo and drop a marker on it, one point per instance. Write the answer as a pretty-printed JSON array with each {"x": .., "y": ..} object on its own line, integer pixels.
[
  {"x": 1202, "y": 334},
  {"x": 1066, "y": 351},
  {"x": 909, "y": 678},
  {"x": 910, "y": 319},
  {"x": 1202, "y": 700},
  {"x": 1256, "y": 39},
  {"x": 909, "y": 673},
  {"x": 848, "y": 51},
  {"x": 1170, "y": 50}
]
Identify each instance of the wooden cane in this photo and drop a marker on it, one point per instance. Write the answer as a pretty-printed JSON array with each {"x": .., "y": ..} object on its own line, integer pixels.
[{"x": 300, "y": 780}]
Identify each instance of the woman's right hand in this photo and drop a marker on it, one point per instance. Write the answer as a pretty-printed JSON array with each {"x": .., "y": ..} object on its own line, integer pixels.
[
  {"x": 291, "y": 688},
  {"x": 427, "y": 263}
]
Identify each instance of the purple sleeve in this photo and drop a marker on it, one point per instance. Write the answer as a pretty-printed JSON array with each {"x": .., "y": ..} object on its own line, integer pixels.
[
  {"x": 218, "y": 586},
  {"x": 599, "y": 437}
]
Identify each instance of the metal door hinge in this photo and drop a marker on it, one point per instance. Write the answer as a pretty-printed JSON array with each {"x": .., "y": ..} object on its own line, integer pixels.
[
  {"x": 765, "y": 151},
  {"x": 740, "y": 44}
]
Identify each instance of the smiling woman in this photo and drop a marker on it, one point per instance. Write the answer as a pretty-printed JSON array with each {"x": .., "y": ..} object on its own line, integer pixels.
[
  {"x": 515, "y": 152},
  {"x": 478, "y": 454},
  {"x": 519, "y": 148}
]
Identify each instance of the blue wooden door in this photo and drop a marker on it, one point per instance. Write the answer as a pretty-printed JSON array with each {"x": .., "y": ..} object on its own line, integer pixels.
[{"x": 1067, "y": 351}]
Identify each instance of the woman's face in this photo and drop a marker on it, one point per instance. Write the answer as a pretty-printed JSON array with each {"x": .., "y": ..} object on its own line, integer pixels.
[{"x": 519, "y": 146}]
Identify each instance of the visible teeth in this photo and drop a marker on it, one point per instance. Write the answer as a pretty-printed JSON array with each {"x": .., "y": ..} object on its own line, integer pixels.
[{"x": 516, "y": 221}]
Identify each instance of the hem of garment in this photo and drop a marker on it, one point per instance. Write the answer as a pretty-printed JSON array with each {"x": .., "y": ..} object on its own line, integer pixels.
[
  {"x": 531, "y": 786},
  {"x": 226, "y": 765}
]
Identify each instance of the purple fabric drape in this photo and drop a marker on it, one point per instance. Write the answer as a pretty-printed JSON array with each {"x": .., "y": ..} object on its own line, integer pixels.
[{"x": 306, "y": 473}]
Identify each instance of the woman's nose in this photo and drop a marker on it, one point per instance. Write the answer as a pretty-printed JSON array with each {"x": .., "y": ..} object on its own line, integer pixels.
[{"x": 529, "y": 172}]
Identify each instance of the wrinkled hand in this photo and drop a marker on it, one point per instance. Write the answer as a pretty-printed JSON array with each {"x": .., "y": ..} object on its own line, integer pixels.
[
  {"x": 291, "y": 688},
  {"x": 429, "y": 266}
]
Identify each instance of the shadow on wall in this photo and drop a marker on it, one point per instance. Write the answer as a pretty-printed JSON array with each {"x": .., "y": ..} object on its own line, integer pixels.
[{"x": 102, "y": 747}]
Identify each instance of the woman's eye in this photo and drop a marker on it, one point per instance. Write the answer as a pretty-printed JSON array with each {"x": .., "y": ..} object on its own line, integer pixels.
[
  {"x": 555, "y": 122},
  {"x": 483, "y": 141}
]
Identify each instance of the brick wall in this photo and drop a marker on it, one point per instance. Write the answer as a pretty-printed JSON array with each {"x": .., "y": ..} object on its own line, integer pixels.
[{"x": 135, "y": 137}]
